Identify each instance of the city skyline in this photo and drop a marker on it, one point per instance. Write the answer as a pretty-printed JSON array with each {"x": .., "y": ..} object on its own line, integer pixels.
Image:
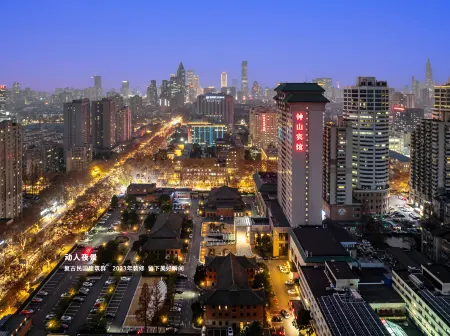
[{"x": 63, "y": 66}]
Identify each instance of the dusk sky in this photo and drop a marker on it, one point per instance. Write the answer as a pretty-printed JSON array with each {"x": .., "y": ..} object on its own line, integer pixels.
[{"x": 48, "y": 44}]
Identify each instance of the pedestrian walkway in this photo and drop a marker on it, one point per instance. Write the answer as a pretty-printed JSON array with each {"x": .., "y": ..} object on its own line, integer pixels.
[{"x": 243, "y": 247}]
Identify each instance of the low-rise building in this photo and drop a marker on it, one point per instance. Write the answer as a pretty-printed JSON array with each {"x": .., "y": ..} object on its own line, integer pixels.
[
  {"x": 436, "y": 242},
  {"x": 164, "y": 238},
  {"x": 427, "y": 296},
  {"x": 225, "y": 202},
  {"x": 230, "y": 299},
  {"x": 145, "y": 192}
]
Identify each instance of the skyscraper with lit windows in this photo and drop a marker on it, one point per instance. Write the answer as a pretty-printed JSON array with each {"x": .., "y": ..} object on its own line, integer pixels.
[
  {"x": 223, "y": 80},
  {"x": 244, "y": 75},
  {"x": 300, "y": 109}
]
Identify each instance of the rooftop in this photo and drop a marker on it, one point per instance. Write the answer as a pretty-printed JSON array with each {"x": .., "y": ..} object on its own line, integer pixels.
[
  {"x": 399, "y": 157},
  {"x": 340, "y": 270},
  {"x": 317, "y": 280},
  {"x": 278, "y": 217},
  {"x": 408, "y": 259},
  {"x": 316, "y": 241},
  {"x": 379, "y": 294},
  {"x": 346, "y": 315},
  {"x": 167, "y": 225},
  {"x": 438, "y": 271},
  {"x": 266, "y": 182},
  {"x": 299, "y": 87}
]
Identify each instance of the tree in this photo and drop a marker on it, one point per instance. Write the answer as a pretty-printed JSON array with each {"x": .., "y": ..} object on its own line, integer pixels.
[
  {"x": 114, "y": 201},
  {"x": 166, "y": 208},
  {"x": 200, "y": 275},
  {"x": 108, "y": 253},
  {"x": 144, "y": 311},
  {"x": 164, "y": 198},
  {"x": 150, "y": 221},
  {"x": 157, "y": 300},
  {"x": 254, "y": 329}
]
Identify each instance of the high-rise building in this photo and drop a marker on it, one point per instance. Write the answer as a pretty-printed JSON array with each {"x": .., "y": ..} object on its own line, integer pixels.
[
  {"x": 223, "y": 80},
  {"x": 11, "y": 147},
  {"x": 327, "y": 84},
  {"x": 256, "y": 91},
  {"x": 125, "y": 89},
  {"x": 197, "y": 86},
  {"x": 152, "y": 94},
  {"x": 244, "y": 86},
  {"x": 429, "y": 75},
  {"x": 98, "y": 87},
  {"x": 178, "y": 87},
  {"x": 104, "y": 124},
  {"x": 300, "y": 121},
  {"x": 216, "y": 106},
  {"x": 77, "y": 135},
  {"x": 3, "y": 96},
  {"x": 337, "y": 189},
  {"x": 263, "y": 127},
  {"x": 191, "y": 89},
  {"x": 430, "y": 152},
  {"x": 123, "y": 121},
  {"x": 366, "y": 105},
  {"x": 136, "y": 107}
]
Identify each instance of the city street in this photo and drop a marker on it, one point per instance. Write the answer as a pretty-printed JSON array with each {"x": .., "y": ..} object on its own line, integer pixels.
[{"x": 282, "y": 297}]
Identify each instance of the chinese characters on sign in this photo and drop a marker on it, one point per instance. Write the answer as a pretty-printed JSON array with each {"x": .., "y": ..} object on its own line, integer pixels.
[
  {"x": 166, "y": 268},
  {"x": 299, "y": 132},
  {"x": 84, "y": 257},
  {"x": 263, "y": 122}
]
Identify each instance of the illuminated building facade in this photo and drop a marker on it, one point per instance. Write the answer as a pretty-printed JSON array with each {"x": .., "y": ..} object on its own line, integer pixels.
[
  {"x": 244, "y": 85},
  {"x": 263, "y": 127},
  {"x": 152, "y": 94},
  {"x": 204, "y": 133},
  {"x": 430, "y": 152},
  {"x": 77, "y": 135},
  {"x": 123, "y": 129},
  {"x": 366, "y": 106},
  {"x": 104, "y": 124},
  {"x": 300, "y": 121},
  {"x": 3, "y": 96},
  {"x": 125, "y": 89},
  {"x": 223, "y": 80},
  {"x": 219, "y": 107},
  {"x": 11, "y": 136}
]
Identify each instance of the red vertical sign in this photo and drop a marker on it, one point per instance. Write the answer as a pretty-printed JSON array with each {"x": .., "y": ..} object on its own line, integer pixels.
[
  {"x": 299, "y": 132},
  {"x": 264, "y": 122}
]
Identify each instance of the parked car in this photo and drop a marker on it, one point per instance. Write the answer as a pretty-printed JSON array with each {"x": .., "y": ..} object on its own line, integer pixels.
[
  {"x": 110, "y": 282},
  {"x": 110, "y": 315},
  {"x": 42, "y": 293},
  {"x": 27, "y": 312},
  {"x": 84, "y": 289},
  {"x": 94, "y": 310},
  {"x": 289, "y": 282},
  {"x": 50, "y": 316},
  {"x": 285, "y": 314},
  {"x": 87, "y": 284},
  {"x": 125, "y": 279},
  {"x": 175, "y": 309},
  {"x": 100, "y": 300},
  {"x": 183, "y": 276},
  {"x": 37, "y": 299},
  {"x": 276, "y": 319},
  {"x": 66, "y": 318},
  {"x": 65, "y": 295},
  {"x": 78, "y": 298}
]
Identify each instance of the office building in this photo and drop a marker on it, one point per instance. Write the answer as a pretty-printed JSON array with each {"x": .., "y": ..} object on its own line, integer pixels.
[
  {"x": 3, "y": 97},
  {"x": 124, "y": 122},
  {"x": 263, "y": 127},
  {"x": 407, "y": 119},
  {"x": 191, "y": 87},
  {"x": 77, "y": 135},
  {"x": 205, "y": 133},
  {"x": 300, "y": 108},
  {"x": 216, "y": 106},
  {"x": 256, "y": 91},
  {"x": 366, "y": 106},
  {"x": 152, "y": 94},
  {"x": 11, "y": 137},
  {"x": 136, "y": 107},
  {"x": 178, "y": 88},
  {"x": 223, "y": 80},
  {"x": 327, "y": 85},
  {"x": 430, "y": 153},
  {"x": 426, "y": 294},
  {"x": 98, "y": 87},
  {"x": 104, "y": 124},
  {"x": 337, "y": 173},
  {"x": 244, "y": 84},
  {"x": 125, "y": 89}
]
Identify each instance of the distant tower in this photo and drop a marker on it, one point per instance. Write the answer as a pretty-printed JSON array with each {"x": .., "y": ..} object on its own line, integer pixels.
[
  {"x": 244, "y": 74},
  {"x": 429, "y": 74},
  {"x": 223, "y": 80},
  {"x": 125, "y": 90},
  {"x": 98, "y": 87}
]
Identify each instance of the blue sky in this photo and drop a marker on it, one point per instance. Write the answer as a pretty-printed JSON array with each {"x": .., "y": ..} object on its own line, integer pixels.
[{"x": 49, "y": 43}]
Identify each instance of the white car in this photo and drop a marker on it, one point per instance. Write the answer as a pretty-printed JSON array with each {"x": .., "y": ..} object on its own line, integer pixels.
[
  {"x": 126, "y": 279},
  {"x": 65, "y": 295},
  {"x": 42, "y": 293},
  {"x": 110, "y": 282},
  {"x": 66, "y": 318},
  {"x": 50, "y": 316},
  {"x": 84, "y": 289},
  {"x": 87, "y": 284},
  {"x": 100, "y": 300},
  {"x": 175, "y": 309},
  {"x": 292, "y": 292}
]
